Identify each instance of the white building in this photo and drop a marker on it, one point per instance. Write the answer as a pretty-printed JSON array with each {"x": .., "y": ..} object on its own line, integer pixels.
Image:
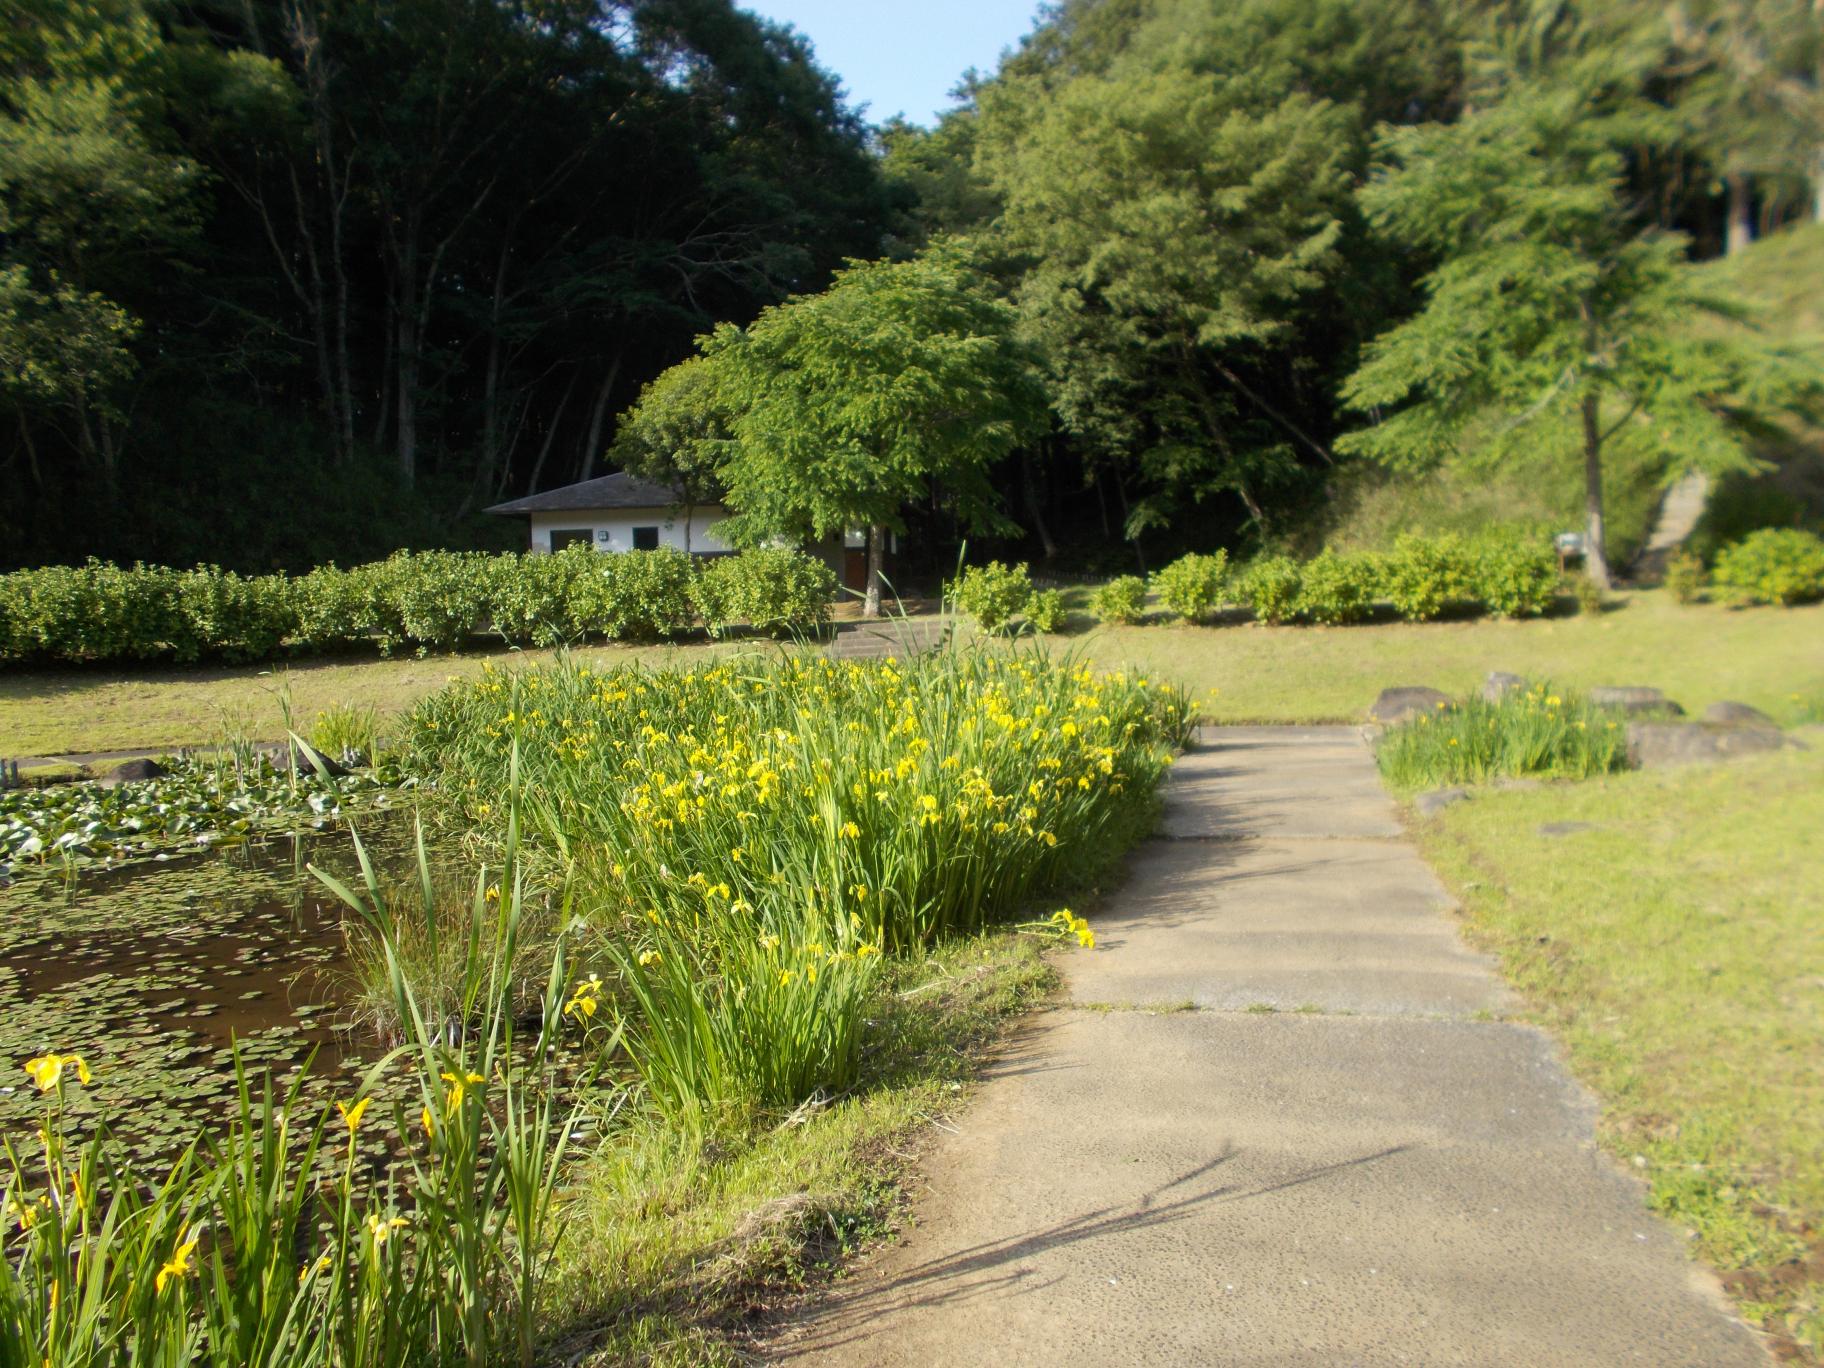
[
  {"x": 618, "y": 513},
  {"x": 622, "y": 512}
]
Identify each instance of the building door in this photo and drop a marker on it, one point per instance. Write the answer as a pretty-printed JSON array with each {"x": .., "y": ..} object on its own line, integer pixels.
[{"x": 855, "y": 569}]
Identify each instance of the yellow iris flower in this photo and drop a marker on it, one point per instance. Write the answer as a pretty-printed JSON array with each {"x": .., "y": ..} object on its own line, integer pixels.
[
  {"x": 459, "y": 1085},
  {"x": 47, "y": 1070},
  {"x": 178, "y": 1265},
  {"x": 382, "y": 1228}
]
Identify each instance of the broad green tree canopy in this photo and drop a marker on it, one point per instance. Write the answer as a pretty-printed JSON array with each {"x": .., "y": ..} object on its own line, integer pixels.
[
  {"x": 678, "y": 433},
  {"x": 900, "y": 382},
  {"x": 1550, "y": 318}
]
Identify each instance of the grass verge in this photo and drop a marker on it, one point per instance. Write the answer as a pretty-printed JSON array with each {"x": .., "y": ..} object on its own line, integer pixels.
[
  {"x": 679, "y": 1242},
  {"x": 78, "y": 712},
  {"x": 1677, "y": 949},
  {"x": 1771, "y": 658}
]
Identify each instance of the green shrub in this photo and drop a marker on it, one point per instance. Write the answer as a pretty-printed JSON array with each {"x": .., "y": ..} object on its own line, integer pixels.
[
  {"x": 222, "y": 615},
  {"x": 1270, "y": 585},
  {"x": 12, "y": 644},
  {"x": 1685, "y": 577},
  {"x": 533, "y": 599},
  {"x": 1122, "y": 599},
  {"x": 1045, "y": 610},
  {"x": 715, "y": 594},
  {"x": 1588, "y": 594},
  {"x": 440, "y": 597},
  {"x": 1513, "y": 578},
  {"x": 1532, "y": 731},
  {"x": 1192, "y": 586},
  {"x": 1422, "y": 575},
  {"x": 992, "y": 594},
  {"x": 99, "y": 612},
  {"x": 638, "y": 596},
  {"x": 94, "y": 611},
  {"x": 1337, "y": 589},
  {"x": 771, "y": 589},
  {"x": 1782, "y": 565},
  {"x": 333, "y": 607}
]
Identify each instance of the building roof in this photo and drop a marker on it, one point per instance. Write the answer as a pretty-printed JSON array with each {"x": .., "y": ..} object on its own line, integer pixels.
[{"x": 619, "y": 490}]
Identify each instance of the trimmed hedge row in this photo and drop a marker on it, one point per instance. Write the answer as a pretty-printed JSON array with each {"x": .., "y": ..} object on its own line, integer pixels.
[
  {"x": 1420, "y": 578},
  {"x": 426, "y": 600}
]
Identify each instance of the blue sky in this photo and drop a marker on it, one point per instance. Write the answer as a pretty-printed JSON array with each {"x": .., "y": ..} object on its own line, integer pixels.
[{"x": 903, "y": 58}]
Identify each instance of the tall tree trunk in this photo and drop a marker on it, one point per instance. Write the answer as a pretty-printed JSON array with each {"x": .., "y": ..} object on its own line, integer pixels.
[
  {"x": 490, "y": 384},
  {"x": 553, "y": 423},
  {"x": 1255, "y": 511},
  {"x": 598, "y": 412},
  {"x": 383, "y": 400},
  {"x": 1741, "y": 212},
  {"x": 333, "y": 174},
  {"x": 405, "y": 349},
  {"x": 1033, "y": 508},
  {"x": 1127, "y": 518},
  {"x": 406, "y": 432},
  {"x": 31, "y": 452},
  {"x": 877, "y": 558},
  {"x": 1595, "y": 548}
]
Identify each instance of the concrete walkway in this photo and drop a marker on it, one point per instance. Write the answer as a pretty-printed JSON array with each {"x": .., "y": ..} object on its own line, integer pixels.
[{"x": 1377, "y": 1171}]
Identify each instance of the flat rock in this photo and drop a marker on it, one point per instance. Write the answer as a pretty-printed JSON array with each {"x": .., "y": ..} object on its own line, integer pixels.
[
  {"x": 1439, "y": 799},
  {"x": 1652, "y": 745},
  {"x": 1500, "y": 684},
  {"x": 1633, "y": 699},
  {"x": 279, "y": 756},
  {"x": 131, "y": 772},
  {"x": 1732, "y": 714},
  {"x": 1406, "y": 702}
]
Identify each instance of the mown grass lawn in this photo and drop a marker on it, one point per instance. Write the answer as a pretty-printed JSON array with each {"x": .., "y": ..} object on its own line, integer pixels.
[
  {"x": 1677, "y": 949},
  {"x": 1771, "y": 658},
  {"x": 73, "y": 712}
]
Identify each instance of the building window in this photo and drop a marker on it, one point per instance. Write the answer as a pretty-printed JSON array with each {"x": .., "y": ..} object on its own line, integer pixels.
[
  {"x": 570, "y": 536},
  {"x": 645, "y": 539}
]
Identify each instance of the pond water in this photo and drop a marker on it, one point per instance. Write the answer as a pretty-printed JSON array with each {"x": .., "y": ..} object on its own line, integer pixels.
[{"x": 153, "y": 971}]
